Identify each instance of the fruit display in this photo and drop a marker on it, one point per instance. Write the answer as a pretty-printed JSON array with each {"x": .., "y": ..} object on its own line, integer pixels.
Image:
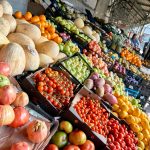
[
  {"x": 68, "y": 138},
  {"x": 55, "y": 87},
  {"x": 131, "y": 57},
  {"x": 119, "y": 68},
  {"x": 47, "y": 30},
  {"x": 65, "y": 36},
  {"x": 77, "y": 67},
  {"x": 69, "y": 48}
]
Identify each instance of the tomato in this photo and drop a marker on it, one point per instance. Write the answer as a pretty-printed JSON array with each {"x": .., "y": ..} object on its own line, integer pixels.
[
  {"x": 88, "y": 145},
  {"x": 52, "y": 147}
]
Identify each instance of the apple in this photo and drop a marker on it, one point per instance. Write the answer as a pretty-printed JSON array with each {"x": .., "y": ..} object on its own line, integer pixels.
[
  {"x": 71, "y": 147},
  {"x": 52, "y": 147},
  {"x": 59, "y": 139},
  {"x": 66, "y": 126},
  {"x": 88, "y": 145},
  {"x": 77, "y": 137}
]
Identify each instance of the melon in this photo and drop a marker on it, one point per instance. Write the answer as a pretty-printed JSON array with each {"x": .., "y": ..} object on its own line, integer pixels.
[
  {"x": 97, "y": 37},
  {"x": 60, "y": 56},
  {"x": 11, "y": 20},
  {"x": 32, "y": 58},
  {"x": 79, "y": 23},
  {"x": 30, "y": 30},
  {"x": 41, "y": 40},
  {"x": 1, "y": 10},
  {"x": 14, "y": 55},
  {"x": 87, "y": 30},
  {"x": 7, "y": 8},
  {"x": 20, "y": 21},
  {"x": 49, "y": 48},
  {"x": 21, "y": 39},
  {"x": 3, "y": 40},
  {"x": 4, "y": 26},
  {"x": 45, "y": 60}
]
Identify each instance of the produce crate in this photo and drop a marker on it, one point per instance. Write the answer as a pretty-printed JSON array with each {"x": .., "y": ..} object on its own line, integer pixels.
[
  {"x": 132, "y": 92},
  {"x": 29, "y": 86}
]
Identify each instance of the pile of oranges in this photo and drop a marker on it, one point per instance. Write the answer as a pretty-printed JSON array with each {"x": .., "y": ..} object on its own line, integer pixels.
[
  {"x": 46, "y": 28},
  {"x": 131, "y": 57}
]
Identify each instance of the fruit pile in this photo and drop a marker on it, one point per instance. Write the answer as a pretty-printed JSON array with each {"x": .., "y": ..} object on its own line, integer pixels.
[
  {"x": 69, "y": 48},
  {"x": 137, "y": 120},
  {"x": 67, "y": 138},
  {"x": 55, "y": 87},
  {"x": 94, "y": 47},
  {"x": 65, "y": 36},
  {"x": 119, "y": 68},
  {"x": 131, "y": 57},
  {"x": 46, "y": 28},
  {"x": 77, "y": 67}
]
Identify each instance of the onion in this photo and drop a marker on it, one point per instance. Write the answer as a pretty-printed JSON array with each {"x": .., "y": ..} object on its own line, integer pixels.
[
  {"x": 107, "y": 88},
  {"x": 7, "y": 94},
  {"x": 94, "y": 76},
  {"x": 100, "y": 91},
  {"x": 37, "y": 131},
  {"x": 22, "y": 99},
  {"x": 20, "y": 146},
  {"x": 110, "y": 98},
  {"x": 6, "y": 115},
  {"x": 99, "y": 82},
  {"x": 4, "y": 69},
  {"x": 89, "y": 83}
]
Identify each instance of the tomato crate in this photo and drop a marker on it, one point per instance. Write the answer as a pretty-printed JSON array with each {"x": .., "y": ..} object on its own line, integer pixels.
[{"x": 51, "y": 96}]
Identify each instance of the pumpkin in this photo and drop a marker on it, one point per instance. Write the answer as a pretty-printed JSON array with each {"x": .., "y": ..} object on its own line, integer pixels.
[
  {"x": 97, "y": 37},
  {"x": 21, "y": 39},
  {"x": 60, "y": 56},
  {"x": 45, "y": 60},
  {"x": 3, "y": 40},
  {"x": 79, "y": 23},
  {"x": 4, "y": 26},
  {"x": 32, "y": 58},
  {"x": 20, "y": 21},
  {"x": 49, "y": 48},
  {"x": 7, "y": 8},
  {"x": 41, "y": 40},
  {"x": 87, "y": 30},
  {"x": 11, "y": 20},
  {"x": 14, "y": 55},
  {"x": 30, "y": 30},
  {"x": 1, "y": 10}
]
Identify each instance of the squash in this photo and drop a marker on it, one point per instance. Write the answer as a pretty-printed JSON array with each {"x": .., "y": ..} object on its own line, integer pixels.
[
  {"x": 14, "y": 55},
  {"x": 97, "y": 37},
  {"x": 49, "y": 48},
  {"x": 30, "y": 30},
  {"x": 4, "y": 26},
  {"x": 3, "y": 40},
  {"x": 32, "y": 58},
  {"x": 87, "y": 30},
  {"x": 1, "y": 10},
  {"x": 41, "y": 40},
  {"x": 21, "y": 39},
  {"x": 45, "y": 60},
  {"x": 12, "y": 22},
  {"x": 7, "y": 8},
  {"x": 20, "y": 21},
  {"x": 60, "y": 56},
  {"x": 79, "y": 23}
]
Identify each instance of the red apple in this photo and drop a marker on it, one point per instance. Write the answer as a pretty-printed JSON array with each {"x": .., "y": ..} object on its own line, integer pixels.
[{"x": 88, "y": 145}]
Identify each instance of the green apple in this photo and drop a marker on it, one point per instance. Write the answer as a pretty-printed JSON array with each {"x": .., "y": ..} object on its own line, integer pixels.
[{"x": 66, "y": 126}]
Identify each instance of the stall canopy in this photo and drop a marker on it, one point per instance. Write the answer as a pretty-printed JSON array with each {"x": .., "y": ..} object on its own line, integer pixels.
[{"x": 130, "y": 12}]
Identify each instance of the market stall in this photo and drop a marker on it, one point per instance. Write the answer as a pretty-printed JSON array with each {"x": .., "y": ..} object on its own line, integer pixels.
[{"x": 69, "y": 84}]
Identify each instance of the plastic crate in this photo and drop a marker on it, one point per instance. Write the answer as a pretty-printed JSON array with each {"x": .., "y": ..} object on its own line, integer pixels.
[{"x": 132, "y": 92}]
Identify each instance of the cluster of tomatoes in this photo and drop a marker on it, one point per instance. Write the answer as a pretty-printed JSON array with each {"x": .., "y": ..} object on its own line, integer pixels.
[
  {"x": 94, "y": 46},
  {"x": 119, "y": 137},
  {"x": 95, "y": 116},
  {"x": 55, "y": 86}
]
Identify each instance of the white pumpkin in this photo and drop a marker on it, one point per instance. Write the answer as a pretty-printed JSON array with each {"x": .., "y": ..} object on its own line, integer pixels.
[
  {"x": 20, "y": 21},
  {"x": 12, "y": 22},
  {"x": 1, "y": 10},
  {"x": 87, "y": 30},
  {"x": 3, "y": 40},
  {"x": 14, "y": 55},
  {"x": 49, "y": 48},
  {"x": 21, "y": 39},
  {"x": 30, "y": 30},
  {"x": 60, "y": 56},
  {"x": 32, "y": 58},
  {"x": 4, "y": 26},
  {"x": 41, "y": 40},
  {"x": 45, "y": 60},
  {"x": 97, "y": 37},
  {"x": 7, "y": 8},
  {"x": 79, "y": 23}
]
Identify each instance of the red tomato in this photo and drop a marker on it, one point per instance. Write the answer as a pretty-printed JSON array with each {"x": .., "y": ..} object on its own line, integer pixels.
[
  {"x": 88, "y": 145},
  {"x": 71, "y": 147},
  {"x": 52, "y": 147}
]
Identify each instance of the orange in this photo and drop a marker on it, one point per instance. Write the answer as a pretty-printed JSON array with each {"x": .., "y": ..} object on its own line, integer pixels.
[
  {"x": 46, "y": 24},
  {"x": 42, "y": 23},
  {"x": 28, "y": 16},
  {"x": 42, "y": 18},
  {"x": 48, "y": 36},
  {"x": 38, "y": 24},
  {"x": 54, "y": 35},
  {"x": 35, "y": 19},
  {"x": 51, "y": 29},
  {"x": 18, "y": 14},
  {"x": 58, "y": 39}
]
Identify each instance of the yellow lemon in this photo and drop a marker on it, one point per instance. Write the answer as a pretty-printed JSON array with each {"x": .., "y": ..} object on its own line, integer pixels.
[
  {"x": 137, "y": 120},
  {"x": 124, "y": 107},
  {"x": 141, "y": 145},
  {"x": 139, "y": 148},
  {"x": 145, "y": 123},
  {"x": 136, "y": 112},
  {"x": 118, "y": 110},
  {"x": 146, "y": 133},
  {"x": 140, "y": 136},
  {"x": 130, "y": 119},
  {"x": 145, "y": 141},
  {"x": 115, "y": 107},
  {"x": 135, "y": 127},
  {"x": 123, "y": 114},
  {"x": 131, "y": 108}
]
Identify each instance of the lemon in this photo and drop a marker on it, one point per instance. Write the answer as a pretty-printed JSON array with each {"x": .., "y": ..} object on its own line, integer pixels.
[
  {"x": 140, "y": 136},
  {"x": 145, "y": 123},
  {"x": 123, "y": 114},
  {"x": 146, "y": 133},
  {"x": 135, "y": 127},
  {"x": 131, "y": 108},
  {"x": 136, "y": 112},
  {"x": 130, "y": 119},
  {"x": 137, "y": 120},
  {"x": 118, "y": 110},
  {"x": 124, "y": 107},
  {"x": 115, "y": 107},
  {"x": 145, "y": 141},
  {"x": 139, "y": 148},
  {"x": 141, "y": 145}
]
